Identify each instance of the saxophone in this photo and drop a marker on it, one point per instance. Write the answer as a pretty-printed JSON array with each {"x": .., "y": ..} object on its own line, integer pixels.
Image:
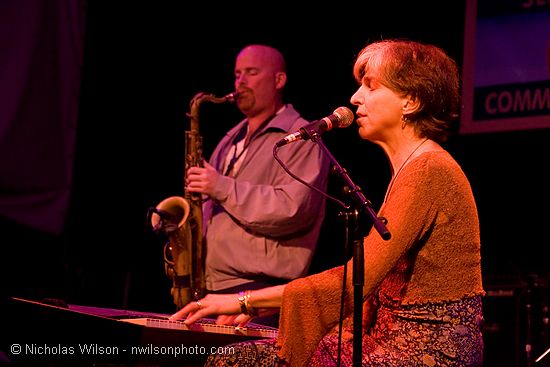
[{"x": 180, "y": 219}]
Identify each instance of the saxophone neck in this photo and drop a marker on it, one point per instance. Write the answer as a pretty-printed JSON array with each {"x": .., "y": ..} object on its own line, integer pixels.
[
  {"x": 201, "y": 97},
  {"x": 206, "y": 97}
]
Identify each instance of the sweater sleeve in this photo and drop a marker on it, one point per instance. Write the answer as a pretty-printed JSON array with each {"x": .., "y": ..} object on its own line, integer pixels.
[{"x": 310, "y": 308}]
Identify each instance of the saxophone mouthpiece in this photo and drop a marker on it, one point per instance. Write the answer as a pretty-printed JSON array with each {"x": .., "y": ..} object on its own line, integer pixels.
[{"x": 232, "y": 97}]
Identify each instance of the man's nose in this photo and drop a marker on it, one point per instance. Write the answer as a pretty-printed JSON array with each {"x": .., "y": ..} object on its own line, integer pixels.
[{"x": 241, "y": 79}]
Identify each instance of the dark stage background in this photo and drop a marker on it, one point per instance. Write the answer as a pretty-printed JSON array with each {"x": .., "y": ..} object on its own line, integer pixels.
[{"x": 144, "y": 61}]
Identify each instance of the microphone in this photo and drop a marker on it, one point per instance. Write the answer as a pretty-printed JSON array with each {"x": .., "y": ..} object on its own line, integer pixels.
[{"x": 341, "y": 117}]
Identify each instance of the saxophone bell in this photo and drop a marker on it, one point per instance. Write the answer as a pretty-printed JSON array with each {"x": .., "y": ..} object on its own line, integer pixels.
[
  {"x": 171, "y": 217},
  {"x": 170, "y": 214}
]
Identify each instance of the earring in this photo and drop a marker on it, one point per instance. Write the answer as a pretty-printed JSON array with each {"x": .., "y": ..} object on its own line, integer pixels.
[{"x": 404, "y": 121}]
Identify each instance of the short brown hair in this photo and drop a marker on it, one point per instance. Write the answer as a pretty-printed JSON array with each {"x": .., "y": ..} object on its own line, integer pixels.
[{"x": 425, "y": 72}]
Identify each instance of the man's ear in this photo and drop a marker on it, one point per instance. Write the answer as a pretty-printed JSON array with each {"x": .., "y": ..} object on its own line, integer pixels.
[{"x": 280, "y": 80}]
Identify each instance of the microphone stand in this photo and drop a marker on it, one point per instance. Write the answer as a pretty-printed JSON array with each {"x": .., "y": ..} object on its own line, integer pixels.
[{"x": 361, "y": 203}]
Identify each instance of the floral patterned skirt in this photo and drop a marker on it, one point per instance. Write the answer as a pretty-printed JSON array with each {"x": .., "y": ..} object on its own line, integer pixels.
[
  {"x": 260, "y": 353},
  {"x": 428, "y": 335}
]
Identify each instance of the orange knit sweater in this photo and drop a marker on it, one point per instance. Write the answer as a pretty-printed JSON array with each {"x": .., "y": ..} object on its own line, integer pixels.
[{"x": 432, "y": 256}]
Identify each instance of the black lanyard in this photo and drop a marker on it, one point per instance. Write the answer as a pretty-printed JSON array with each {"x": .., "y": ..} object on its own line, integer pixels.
[{"x": 240, "y": 136}]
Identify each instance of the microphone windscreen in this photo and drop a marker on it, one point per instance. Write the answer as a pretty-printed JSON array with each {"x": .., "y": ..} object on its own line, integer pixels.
[{"x": 345, "y": 116}]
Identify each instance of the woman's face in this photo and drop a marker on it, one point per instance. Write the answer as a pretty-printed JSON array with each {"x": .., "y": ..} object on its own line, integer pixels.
[{"x": 379, "y": 109}]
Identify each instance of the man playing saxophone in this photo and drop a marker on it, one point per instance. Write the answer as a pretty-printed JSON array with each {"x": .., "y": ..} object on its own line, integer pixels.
[{"x": 261, "y": 225}]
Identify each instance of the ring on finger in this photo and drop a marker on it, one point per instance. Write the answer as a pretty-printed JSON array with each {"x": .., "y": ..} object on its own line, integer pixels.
[{"x": 199, "y": 304}]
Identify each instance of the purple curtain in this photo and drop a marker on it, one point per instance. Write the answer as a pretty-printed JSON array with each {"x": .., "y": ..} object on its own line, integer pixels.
[{"x": 41, "y": 52}]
